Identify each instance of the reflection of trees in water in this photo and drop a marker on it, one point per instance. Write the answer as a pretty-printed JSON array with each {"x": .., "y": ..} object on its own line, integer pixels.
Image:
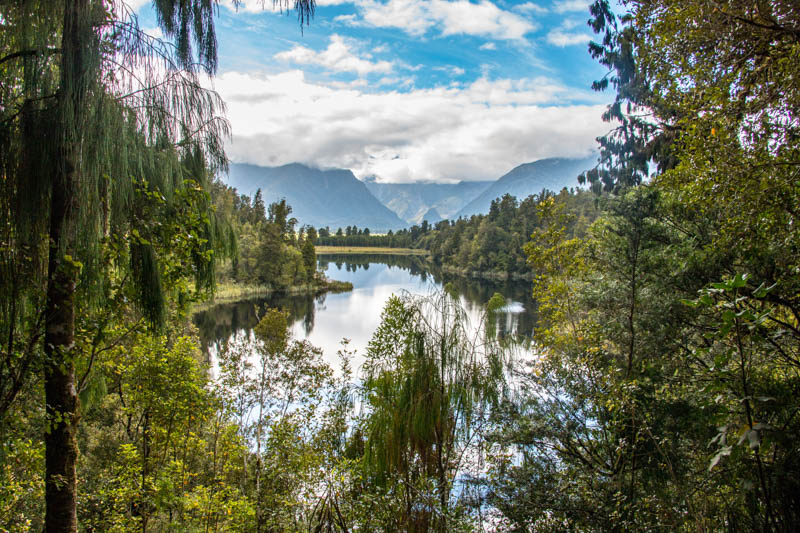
[
  {"x": 218, "y": 323},
  {"x": 415, "y": 264},
  {"x": 475, "y": 291}
]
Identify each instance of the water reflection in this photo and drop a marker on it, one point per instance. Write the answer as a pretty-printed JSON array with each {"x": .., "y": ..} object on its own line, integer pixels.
[{"x": 326, "y": 319}]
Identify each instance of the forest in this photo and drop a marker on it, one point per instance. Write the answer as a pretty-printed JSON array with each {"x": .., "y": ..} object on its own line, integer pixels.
[
  {"x": 488, "y": 245},
  {"x": 270, "y": 251},
  {"x": 662, "y": 394}
]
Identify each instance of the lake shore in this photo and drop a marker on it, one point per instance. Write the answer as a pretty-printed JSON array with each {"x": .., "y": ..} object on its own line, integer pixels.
[
  {"x": 323, "y": 250},
  {"x": 237, "y": 292}
]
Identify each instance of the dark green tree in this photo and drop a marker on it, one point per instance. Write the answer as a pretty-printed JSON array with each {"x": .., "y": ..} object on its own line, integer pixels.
[{"x": 73, "y": 112}]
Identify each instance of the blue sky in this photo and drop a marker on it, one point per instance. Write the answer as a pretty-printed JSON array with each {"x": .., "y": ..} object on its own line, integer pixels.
[{"x": 408, "y": 90}]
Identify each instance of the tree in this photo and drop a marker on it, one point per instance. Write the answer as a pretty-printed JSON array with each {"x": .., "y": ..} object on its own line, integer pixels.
[
  {"x": 65, "y": 127},
  {"x": 426, "y": 385},
  {"x": 627, "y": 151},
  {"x": 660, "y": 397},
  {"x": 309, "y": 259},
  {"x": 258, "y": 213}
]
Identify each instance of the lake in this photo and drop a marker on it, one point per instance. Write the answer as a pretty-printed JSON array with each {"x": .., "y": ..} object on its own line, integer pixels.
[{"x": 326, "y": 319}]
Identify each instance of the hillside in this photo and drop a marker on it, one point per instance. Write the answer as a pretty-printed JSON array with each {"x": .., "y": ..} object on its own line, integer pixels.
[
  {"x": 530, "y": 178},
  {"x": 412, "y": 201},
  {"x": 320, "y": 198}
]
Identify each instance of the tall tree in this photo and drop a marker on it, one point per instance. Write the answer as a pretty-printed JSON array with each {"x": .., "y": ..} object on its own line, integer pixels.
[{"x": 81, "y": 72}]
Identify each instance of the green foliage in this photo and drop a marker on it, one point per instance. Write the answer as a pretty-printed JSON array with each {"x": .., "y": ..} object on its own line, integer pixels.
[
  {"x": 427, "y": 385},
  {"x": 158, "y": 455},
  {"x": 662, "y": 397},
  {"x": 489, "y": 244},
  {"x": 269, "y": 254}
]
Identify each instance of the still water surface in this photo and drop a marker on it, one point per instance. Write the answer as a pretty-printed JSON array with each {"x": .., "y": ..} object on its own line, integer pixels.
[{"x": 326, "y": 319}]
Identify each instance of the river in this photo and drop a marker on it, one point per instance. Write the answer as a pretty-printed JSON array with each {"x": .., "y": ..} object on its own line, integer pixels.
[{"x": 326, "y": 319}]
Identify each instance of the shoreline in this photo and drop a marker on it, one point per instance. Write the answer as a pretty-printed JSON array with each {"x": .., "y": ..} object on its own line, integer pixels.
[
  {"x": 356, "y": 250},
  {"x": 488, "y": 274},
  {"x": 233, "y": 292}
]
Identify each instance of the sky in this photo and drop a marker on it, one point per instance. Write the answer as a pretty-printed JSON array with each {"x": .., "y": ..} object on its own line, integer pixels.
[{"x": 407, "y": 90}]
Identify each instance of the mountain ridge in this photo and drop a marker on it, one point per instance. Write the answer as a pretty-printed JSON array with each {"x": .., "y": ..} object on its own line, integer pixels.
[
  {"x": 523, "y": 180},
  {"x": 336, "y": 198},
  {"x": 333, "y": 197}
]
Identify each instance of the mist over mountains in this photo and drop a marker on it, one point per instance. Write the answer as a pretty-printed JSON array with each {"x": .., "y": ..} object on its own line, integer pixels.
[
  {"x": 336, "y": 198},
  {"x": 413, "y": 202}
]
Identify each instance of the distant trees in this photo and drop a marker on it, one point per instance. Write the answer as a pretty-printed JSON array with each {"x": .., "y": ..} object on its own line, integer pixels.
[
  {"x": 270, "y": 251},
  {"x": 489, "y": 244}
]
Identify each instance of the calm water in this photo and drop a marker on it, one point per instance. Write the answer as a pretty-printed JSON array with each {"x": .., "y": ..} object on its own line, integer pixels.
[{"x": 325, "y": 320}]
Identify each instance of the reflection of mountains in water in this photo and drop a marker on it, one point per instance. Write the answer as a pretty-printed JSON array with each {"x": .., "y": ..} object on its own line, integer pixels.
[{"x": 218, "y": 323}]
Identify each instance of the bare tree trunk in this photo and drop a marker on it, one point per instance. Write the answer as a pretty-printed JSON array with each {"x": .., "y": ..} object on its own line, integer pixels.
[{"x": 61, "y": 448}]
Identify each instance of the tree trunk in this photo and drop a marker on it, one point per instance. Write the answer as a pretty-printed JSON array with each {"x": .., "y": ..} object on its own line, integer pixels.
[{"x": 61, "y": 448}]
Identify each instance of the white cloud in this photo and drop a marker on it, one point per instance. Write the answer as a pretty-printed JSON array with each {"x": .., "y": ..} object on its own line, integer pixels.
[
  {"x": 562, "y": 38},
  {"x": 246, "y": 6},
  {"x": 530, "y": 7},
  {"x": 349, "y": 20},
  {"x": 485, "y": 18},
  {"x": 569, "y": 24},
  {"x": 134, "y": 5},
  {"x": 154, "y": 32},
  {"x": 447, "y": 17},
  {"x": 475, "y": 131},
  {"x": 338, "y": 57},
  {"x": 563, "y": 6},
  {"x": 487, "y": 46},
  {"x": 452, "y": 70}
]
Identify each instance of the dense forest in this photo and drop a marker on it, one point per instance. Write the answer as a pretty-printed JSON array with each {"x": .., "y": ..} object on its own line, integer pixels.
[
  {"x": 485, "y": 245},
  {"x": 270, "y": 251},
  {"x": 662, "y": 394}
]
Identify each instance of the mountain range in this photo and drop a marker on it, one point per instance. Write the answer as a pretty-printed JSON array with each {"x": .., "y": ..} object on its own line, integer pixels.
[
  {"x": 336, "y": 198},
  {"x": 413, "y": 201},
  {"x": 530, "y": 178}
]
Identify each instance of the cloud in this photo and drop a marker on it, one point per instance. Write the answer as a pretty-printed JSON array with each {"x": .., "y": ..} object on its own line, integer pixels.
[
  {"x": 349, "y": 20},
  {"x": 338, "y": 57},
  {"x": 447, "y": 17},
  {"x": 562, "y": 39},
  {"x": 134, "y": 5},
  {"x": 154, "y": 32},
  {"x": 485, "y": 18},
  {"x": 563, "y": 6},
  {"x": 563, "y": 36},
  {"x": 530, "y": 7},
  {"x": 474, "y": 131},
  {"x": 452, "y": 70},
  {"x": 487, "y": 46}
]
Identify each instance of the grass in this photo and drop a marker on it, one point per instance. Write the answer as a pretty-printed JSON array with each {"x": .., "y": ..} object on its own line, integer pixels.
[
  {"x": 369, "y": 250},
  {"x": 237, "y": 292}
]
